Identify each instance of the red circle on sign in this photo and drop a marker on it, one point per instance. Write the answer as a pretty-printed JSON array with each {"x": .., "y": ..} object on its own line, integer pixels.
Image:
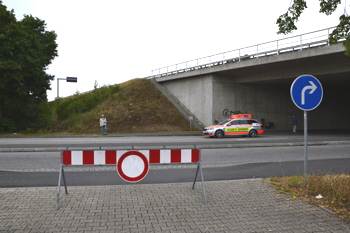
[{"x": 131, "y": 178}]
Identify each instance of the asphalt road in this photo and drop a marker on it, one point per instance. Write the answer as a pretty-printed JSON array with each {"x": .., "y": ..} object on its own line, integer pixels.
[
  {"x": 279, "y": 154},
  {"x": 55, "y": 143},
  {"x": 176, "y": 175}
]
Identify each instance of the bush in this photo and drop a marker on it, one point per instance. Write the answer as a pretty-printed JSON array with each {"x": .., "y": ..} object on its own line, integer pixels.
[{"x": 7, "y": 125}]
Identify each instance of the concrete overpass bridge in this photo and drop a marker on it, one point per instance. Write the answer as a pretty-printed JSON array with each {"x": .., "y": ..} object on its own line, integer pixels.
[{"x": 257, "y": 80}]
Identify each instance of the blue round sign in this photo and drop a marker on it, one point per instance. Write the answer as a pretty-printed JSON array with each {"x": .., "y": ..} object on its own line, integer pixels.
[{"x": 306, "y": 92}]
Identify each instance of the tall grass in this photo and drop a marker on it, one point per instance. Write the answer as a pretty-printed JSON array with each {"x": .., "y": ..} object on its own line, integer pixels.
[
  {"x": 333, "y": 188},
  {"x": 135, "y": 106},
  {"x": 82, "y": 103}
]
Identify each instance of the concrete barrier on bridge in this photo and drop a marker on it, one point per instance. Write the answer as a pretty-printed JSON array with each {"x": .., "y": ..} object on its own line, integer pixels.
[{"x": 131, "y": 165}]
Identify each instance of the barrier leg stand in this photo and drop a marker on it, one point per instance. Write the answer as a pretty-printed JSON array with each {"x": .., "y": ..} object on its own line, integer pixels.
[
  {"x": 59, "y": 186},
  {"x": 195, "y": 177},
  {"x": 199, "y": 167},
  {"x": 203, "y": 185},
  {"x": 64, "y": 181}
]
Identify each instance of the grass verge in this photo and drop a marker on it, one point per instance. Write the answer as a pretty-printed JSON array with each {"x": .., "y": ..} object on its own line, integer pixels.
[{"x": 334, "y": 189}]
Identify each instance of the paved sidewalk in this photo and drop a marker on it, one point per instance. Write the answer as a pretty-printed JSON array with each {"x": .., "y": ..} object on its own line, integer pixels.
[{"x": 233, "y": 206}]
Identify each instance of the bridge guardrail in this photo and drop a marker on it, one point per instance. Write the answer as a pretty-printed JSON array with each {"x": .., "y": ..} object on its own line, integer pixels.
[{"x": 276, "y": 47}]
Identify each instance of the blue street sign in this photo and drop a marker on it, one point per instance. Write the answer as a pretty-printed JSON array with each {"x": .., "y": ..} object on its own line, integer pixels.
[{"x": 306, "y": 92}]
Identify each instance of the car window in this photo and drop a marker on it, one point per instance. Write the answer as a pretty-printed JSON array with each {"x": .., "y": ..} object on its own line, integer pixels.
[
  {"x": 251, "y": 121},
  {"x": 239, "y": 122},
  {"x": 223, "y": 122}
]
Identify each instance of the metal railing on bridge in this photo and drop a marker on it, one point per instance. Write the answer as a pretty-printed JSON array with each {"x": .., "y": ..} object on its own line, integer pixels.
[{"x": 276, "y": 47}]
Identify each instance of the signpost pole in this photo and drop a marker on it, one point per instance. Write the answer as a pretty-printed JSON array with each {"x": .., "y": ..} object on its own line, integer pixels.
[
  {"x": 68, "y": 79},
  {"x": 305, "y": 147},
  {"x": 191, "y": 119},
  {"x": 58, "y": 87},
  {"x": 307, "y": 93}
]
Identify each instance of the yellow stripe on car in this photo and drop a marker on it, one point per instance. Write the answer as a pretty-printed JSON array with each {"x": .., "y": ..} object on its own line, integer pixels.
[{"x": 237, "y": 129}]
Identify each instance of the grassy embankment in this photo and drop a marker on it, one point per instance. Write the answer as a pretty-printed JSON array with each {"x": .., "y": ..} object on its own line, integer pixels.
[
  {"x": 334, "y": 189},
  {"x": 135, "y": 106}
]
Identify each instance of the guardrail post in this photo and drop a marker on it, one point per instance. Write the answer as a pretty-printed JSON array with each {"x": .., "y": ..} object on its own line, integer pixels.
[{"x": 328, "y": 37}]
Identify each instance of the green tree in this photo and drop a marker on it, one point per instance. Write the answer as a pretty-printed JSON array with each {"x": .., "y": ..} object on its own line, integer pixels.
[
  {"x": 26, "y": 50},
  {"x": 286, "y": 22}
]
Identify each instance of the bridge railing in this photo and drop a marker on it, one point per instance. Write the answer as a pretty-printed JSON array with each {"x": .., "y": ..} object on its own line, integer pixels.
[{"x": 276, "y": 47}]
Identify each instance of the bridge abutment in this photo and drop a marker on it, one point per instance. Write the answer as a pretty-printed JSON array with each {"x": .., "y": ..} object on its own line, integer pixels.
[{"x": 261, "y": 87}]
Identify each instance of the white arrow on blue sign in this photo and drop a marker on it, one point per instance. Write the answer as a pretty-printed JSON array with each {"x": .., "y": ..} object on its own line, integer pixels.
[{"x": 306, "y": 92}]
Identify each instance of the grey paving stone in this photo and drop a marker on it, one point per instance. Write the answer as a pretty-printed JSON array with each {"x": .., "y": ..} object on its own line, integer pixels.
[{"x": 233, "y": 206}]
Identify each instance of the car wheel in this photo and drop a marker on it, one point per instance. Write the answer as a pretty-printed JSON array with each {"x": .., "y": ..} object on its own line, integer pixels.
[
  {"x": 219, "y": 134},
  {"x": 253, "y": 133}
]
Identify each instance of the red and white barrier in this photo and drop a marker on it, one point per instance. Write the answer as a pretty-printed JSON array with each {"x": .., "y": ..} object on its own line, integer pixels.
[
  {"x": 132, "y": 165},
  {"x": 110, "y": 157}
]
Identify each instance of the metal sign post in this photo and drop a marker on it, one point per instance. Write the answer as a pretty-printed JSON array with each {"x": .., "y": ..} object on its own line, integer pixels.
[
  {"x": 68, "y": 79},
  {"x": 307, "y": 93},
  {"x": 191, "y": 119},
  {"x": 305, "y": 147}
]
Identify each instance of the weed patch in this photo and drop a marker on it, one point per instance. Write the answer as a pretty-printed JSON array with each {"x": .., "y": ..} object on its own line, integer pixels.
[{"x": 334, "y": 191}]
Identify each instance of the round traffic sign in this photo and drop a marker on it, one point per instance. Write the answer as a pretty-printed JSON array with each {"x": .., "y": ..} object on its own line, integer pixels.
[
  {"x": 306, "y": 92},
  {"x": 132, "y": 166}
]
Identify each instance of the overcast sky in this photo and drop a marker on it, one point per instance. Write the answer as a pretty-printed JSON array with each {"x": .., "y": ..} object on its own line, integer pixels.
[{"x": 112, "y": 41}]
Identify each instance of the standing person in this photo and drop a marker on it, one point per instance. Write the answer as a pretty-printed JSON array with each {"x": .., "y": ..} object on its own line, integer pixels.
[
  {"x": 103, "y": 125},
  {"x": 295, "y": 123}
]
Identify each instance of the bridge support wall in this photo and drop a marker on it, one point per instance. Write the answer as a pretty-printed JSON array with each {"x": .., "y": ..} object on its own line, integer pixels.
[{"x": 209, "y": 95}]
